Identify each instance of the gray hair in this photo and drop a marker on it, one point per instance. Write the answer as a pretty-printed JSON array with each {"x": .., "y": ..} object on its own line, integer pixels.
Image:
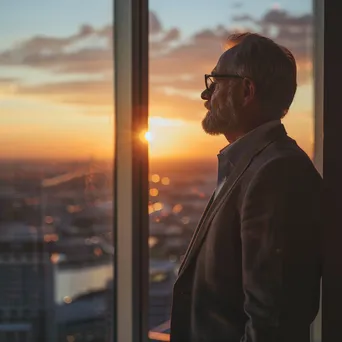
[{"x": 270, "y": 66}]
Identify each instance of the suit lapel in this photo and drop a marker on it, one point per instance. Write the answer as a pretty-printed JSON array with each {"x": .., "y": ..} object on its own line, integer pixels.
[
  {"x": 225, "y": 189},
  {"x": 219, "y": 187},
  {"x": 206, "y": 210}
]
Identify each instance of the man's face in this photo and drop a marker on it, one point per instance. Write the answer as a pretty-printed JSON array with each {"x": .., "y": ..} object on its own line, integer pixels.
[{"x": 223, "y": 102}]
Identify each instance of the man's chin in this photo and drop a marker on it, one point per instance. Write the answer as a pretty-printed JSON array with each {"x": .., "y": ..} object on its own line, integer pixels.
[{"x": 210, "y": 125}]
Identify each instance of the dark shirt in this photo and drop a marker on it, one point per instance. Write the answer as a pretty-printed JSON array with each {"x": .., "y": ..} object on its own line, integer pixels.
[{"x": 228, "y": 156}]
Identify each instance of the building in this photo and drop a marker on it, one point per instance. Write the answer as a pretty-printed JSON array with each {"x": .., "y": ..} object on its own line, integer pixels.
[{"x": 27, "y": 310}]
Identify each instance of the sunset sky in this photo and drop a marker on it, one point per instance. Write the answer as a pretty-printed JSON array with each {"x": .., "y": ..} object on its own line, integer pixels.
[{"x": 56, "y": 73}]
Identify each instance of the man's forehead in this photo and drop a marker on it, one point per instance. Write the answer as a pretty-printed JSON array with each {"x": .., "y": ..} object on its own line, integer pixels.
[{"x": 226, "y": 60}]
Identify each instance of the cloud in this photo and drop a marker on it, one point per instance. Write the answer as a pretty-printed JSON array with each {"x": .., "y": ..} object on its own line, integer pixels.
[
  {"x": 175, "y": 63},
  {"x": 160, "y": 40},
  {"x": 237, "y": 4},
  {"x": 195, "y": 56},
  {"x": 294, "y": 32},
  {"x": 172, "y": 35},
  {"x": 84, "y": 61},
  {"x": 99, "y": 94},
  {"x": 75, "y": 53},
  {"x": 283, "y": 18},
  {"x": 94, "y": 93},
  {"x": 155, "y": 26},
  {"x": 8, "y": 80},
  {"x": 243, "y": 17}
]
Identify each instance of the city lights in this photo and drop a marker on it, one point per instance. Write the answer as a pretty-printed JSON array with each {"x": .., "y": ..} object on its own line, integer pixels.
[
  {"x": 55, "y": 257},
  {"x": 177, "y": 208},
  {"x": 154, "y": 192},
  {"x": 165, "y": 181},
  {"x": 158, "y": 206},
  {"x": 155, "y": 178},
  {"x": 67, "y": 300}
]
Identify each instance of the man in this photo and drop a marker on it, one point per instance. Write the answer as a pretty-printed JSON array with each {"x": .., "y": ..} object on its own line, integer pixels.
[{"x": 252, "y": 270}]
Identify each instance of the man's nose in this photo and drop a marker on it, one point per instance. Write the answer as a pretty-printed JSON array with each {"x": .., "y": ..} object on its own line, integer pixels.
[{"x": 205, "y": 95}]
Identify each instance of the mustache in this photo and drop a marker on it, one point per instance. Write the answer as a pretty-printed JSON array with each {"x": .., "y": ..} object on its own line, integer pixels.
[{"x": 207, "y": 105}]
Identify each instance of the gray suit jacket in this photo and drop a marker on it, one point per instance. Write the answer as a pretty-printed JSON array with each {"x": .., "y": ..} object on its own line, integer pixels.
[{"x": 252, "y": 270}]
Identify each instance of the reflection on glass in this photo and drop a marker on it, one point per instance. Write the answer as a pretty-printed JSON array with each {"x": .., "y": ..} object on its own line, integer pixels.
[
  {"x": 186, "y": 40},
  {"x": 56, "y": 165}
]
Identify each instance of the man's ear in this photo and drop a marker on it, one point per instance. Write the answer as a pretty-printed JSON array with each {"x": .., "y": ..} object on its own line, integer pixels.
[{"x": 249, "y": 90}]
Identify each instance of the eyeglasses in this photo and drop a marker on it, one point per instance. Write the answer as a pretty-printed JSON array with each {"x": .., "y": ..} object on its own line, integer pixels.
[{"x": 209, "y": 79}]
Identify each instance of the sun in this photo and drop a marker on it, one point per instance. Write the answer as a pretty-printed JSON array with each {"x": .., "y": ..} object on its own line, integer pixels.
[{"x": 146, "y": 136}]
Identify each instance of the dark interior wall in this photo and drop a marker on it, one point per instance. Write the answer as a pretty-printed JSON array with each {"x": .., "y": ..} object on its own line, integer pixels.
[{"x": 332, "y": 171}]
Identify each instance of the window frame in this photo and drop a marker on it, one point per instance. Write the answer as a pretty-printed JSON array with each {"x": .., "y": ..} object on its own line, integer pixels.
[
  {"x": 318, "y": 86},
  {"x": 131, "y": 170},
  {"x": 131, "y": 164}
]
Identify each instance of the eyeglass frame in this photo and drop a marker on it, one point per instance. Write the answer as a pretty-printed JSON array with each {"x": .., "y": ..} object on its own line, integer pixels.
[{"x": 206, "y": 77}]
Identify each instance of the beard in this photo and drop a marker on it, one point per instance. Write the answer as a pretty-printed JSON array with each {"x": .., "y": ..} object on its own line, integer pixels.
[{"x": 223, "y": 119}]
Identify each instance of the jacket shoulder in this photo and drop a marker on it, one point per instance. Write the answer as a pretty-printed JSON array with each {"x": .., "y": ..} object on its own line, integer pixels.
[
  {"x": 280, "y": 158},
  {"x": 283, "y": 151}
]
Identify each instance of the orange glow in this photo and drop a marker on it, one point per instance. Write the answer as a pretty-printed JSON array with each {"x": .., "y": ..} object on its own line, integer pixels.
[
  {"x": 179, "y": 141},
  {"x": 155, "y": 178},
  {"x": 51, "y": 237},
  {"x": 177, "y": 208},
  {"x": 63, "y": 117},
  {"x": 150, "y": 209},
  {"x": 74, "y": 208},
  {"x": 152, "y": 241},
  {"x": 153, "y": 335},
  {"x": 165, "y": 181},
  {"x": 98, "y": 252},
  {"x": 154, "y": 192},
  {"x": 54, "y": 258},
  {"x": 158, "y": 206}
]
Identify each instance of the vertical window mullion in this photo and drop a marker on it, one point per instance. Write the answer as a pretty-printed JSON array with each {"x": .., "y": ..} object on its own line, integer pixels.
[{"x": 131, "y": 171}]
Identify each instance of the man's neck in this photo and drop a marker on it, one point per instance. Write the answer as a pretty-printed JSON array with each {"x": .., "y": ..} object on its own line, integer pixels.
[{"x": 233, "y": 136}]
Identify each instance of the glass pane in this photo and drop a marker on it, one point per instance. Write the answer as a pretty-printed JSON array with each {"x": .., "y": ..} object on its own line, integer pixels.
[
  {"x": 186, "y": 40},
  {"x": 56, "y": 166}
]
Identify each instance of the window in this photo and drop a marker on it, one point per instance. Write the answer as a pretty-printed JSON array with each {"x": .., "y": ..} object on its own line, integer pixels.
[
  {"x": 185, "y": 41},
  {"x": 56, "y": 167},
  {"x": 58, "y": 248}
]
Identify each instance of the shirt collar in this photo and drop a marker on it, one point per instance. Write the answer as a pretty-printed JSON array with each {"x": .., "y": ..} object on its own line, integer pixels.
[{"x": 233, "y": 151}]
